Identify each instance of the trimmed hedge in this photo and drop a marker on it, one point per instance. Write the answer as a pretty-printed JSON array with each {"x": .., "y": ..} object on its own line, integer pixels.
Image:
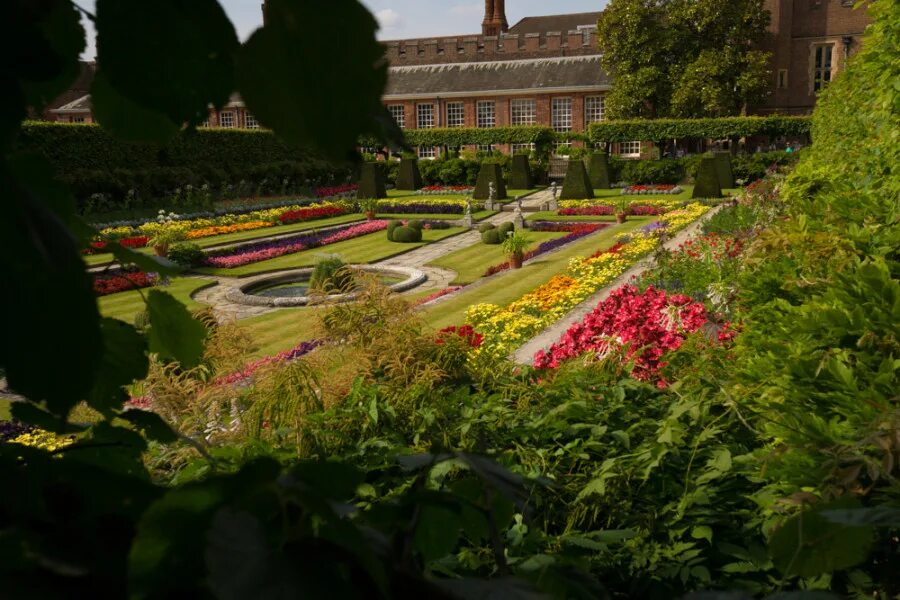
[
  {"x": 409, "y": 178},
  {"x": 492, "y": 237},
  {"x": 520, "y": 174},
  {"x": 506, "y": 228},
  {"x": 577, "y": 184},
  {"x": 599, "y": 172},
  {"x": 486, "y": 227},
  {"x": 724, "y": 170},
  {"x": 406, "y": 235},
  {"x": 728, "y": 127},
  {"x": 707, "y": 184},
  {"x": 371, "y": 182},
  {"x": 490, "y": 172},
  {"x": 470, "y": 136}
]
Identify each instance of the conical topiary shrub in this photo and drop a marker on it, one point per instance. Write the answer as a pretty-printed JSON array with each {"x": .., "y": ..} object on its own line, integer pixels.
[
  {"x": 599, "y": 171},
  {"x": 707, "y": 184},
  {"x": 490, "y": 171},
  {"x": 724, "y": 170},
  {"x": 520, "y": 174},
  {"x": 371, "y": 182},
  {"x": 409, "y": 178},
  {"x": 577, "y": 184}
]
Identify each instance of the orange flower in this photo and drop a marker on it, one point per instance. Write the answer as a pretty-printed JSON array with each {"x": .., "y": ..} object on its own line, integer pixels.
[{"x": 223, "y": 229}]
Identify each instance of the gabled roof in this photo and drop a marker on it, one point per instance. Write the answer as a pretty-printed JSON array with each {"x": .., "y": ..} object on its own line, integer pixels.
[
  {"x": 561, "y": 23},
  {"x": 79, "y": 105},
  {"x": 571, "y": 73}
]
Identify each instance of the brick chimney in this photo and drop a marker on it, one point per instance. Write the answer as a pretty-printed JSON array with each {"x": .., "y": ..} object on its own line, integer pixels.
[{"x": 494, "y": 18}]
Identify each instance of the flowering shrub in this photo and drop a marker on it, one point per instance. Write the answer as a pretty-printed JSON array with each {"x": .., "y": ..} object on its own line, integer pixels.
[
  {"x": 577, "y": 231},
  {"x": 633, "y": 326},
  {"x": 308, "y": 214},
  {"x": 252, "y": 253},
  {"x": 466, "y": 332},
  {"x": 338, "y": 190},
  {"x": 122, "y": 282},
  {"x": 649, "y": 190},
  {"x": 606, "y": 210}
]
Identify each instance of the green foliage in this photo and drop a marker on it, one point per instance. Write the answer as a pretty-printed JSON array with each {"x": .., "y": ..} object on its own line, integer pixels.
[
  {"x": 651, "y": 171},
  {"x": 486, "y": 227},
  {"x": 409, "y": 177},
  {"x": 577, "y": 184},
  {"x": 415, "y": 224},
  {"x": 724, "y": 169},
  {"x": 515, "y": 242},
  {"x": 599, "y": 171},
  {"x": 457, "y": 137},
  {"x": 506, "y": 228},
  {"x": 718, "y": 128},
  {"x": 520, "y": 175},
  {"x": 371, "y": 182},
  {"x": 492, "y": 237},
  {"x": 331, "y": 276},
  {"x": 490, "y": 173},
  {"x": 406, "y": 235},
  {"x": 186, "y": 255},
  {"x": 392, "y": 225},
  {"x": 707, "y": 184}
]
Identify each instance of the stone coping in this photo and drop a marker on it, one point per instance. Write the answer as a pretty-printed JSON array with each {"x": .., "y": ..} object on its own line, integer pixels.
[{"x": 242, "y": 294}]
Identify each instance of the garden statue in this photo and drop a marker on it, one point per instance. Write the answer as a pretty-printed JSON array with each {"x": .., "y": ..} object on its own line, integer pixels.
[
  {"x": 518, "y": 219},
  {"x": 553, "y": 205},
  {"x": 467, "y": 219},
  {"x": 492, "y": 197}
]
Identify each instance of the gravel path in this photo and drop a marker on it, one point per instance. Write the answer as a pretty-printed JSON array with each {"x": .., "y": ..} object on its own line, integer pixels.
[{"x": 525, "y": 354}]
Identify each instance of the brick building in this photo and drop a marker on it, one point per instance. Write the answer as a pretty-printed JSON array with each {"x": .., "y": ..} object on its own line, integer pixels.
[{"x": 545, "y": 70}]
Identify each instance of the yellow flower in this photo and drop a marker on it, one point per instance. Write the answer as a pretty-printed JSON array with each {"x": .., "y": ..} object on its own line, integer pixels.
[{"x": 44, "y": 440}]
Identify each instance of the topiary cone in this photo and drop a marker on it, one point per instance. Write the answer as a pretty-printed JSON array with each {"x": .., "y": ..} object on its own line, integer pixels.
[
  {"x": 520, "y": 174},
  {"x": 599, "y": 171},
  {"x": 707, "y": 184},
  {"x": 371, "y": 182},
  {"x": 577, "y": 184},
  {"x": 724, "y": 169},
  {"x": 409, "y": 178},
  {"x": 490, "y": 171}
]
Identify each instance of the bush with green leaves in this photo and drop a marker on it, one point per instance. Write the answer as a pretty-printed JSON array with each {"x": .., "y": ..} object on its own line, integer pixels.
[
  {"x": 186, "y": 255},
  {"x": 483, "y": 227},
  {"x": 331, "y": 275},
  {"x": 724, "y": 169},
  {"x": 599, "y": 171},
  {"x": 371, "y": 182},
  {"x": 409, "y": 178},
  {"x": 491, "y": 172},
  {"x": 577, "y": 184},
  {"x": 707, "y": 184},
  {"x": 406, "y": 235},
  {"x": 506, "y": 228},
  {"x": 492, "y": 237}
]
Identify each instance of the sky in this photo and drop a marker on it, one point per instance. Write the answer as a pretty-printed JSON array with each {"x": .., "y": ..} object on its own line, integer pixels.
[{"x": 403, "y": 18}]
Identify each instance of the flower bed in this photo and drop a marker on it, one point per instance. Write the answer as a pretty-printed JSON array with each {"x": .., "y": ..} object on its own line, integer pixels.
[
  {"x": 576, "y": 232},
  {"x": 337, "y": 190},
  {"x": 651, "y": 190},
  {"x": 608, "y": 210},
  {"x": 666, "y": 203},
  {"x": 132, "y": 242},
  {"x": 449, "y": 190},
  {"x": 225, "y": 229},
  {"x": 439, "y": 294},
  {"x": 122, "y": 282},
  {"x": 309, "y": 214},
  {"x": 508, "y": 328},
  {"x": 638, "y": 327},
  {"x": 252, "y": 253}
]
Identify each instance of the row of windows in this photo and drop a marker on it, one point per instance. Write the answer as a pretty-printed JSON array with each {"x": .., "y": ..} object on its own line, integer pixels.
[
  {"x": 626, "y": 149},
  {"x": 228, "y": 120},
  {"x": 521, "y": 112}
]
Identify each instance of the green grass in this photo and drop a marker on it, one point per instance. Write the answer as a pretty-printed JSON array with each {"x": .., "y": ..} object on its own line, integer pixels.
[
  {"x": 476, "y": 216},
  {"x": 125, "y": 305},
  {"x": 242, "y": 236},
  {"x": 685, "y": 194},
  {"x": 5, "y": 410},
  {"x": 471, "y": 263},
  {"x": 364, "y": 249},
  {"x": 513, "y": 285}
]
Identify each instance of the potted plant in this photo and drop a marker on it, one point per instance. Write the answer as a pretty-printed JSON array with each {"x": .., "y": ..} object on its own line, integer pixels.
[
  {"x": 163, "y": 239},
  {"x": 622, "y": 209},
  {"x": 369, "y": 207},
  {"x": 514, "y": 246}
]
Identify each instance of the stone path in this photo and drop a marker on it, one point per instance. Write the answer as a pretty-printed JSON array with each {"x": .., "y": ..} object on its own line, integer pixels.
[
  {"x": 438, "y": 278},
  {"x": 551, "y": 335}
]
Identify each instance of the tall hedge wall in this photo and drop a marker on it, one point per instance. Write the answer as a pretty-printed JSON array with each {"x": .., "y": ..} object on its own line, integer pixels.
[
  {"x": 463, "y": 136},
  {"x": 729, "y": 127}
]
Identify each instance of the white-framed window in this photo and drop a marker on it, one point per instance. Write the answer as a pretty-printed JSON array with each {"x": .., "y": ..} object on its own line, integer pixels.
[
  {"x": 398, "y": 112},
  {"x": 594, "y": 109},
  {"x": 520, "y": 147},
  {"x": 823, "y": 64},
  {"x": 425, "y": 116},
  {"x": 561, "y": 114},
  {"x": 630, "y": 149},
  {"x": 250, "y": 121},
  {"x": 226, "y": 119},
  {"x": 427, "y": 152},
  {"x": 76, "y": 119},
  {"x": 486, "y": 112},
  {"x": 484, "y": 148},
  {"x": 523, "y": 111},
  {"x": 456, "y": 114}
]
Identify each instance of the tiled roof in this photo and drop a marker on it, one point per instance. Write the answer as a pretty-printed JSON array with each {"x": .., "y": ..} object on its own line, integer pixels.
[
  {"x": 82, "y": 104},
  {"x": 562, "y": 73},
  {"x": 561, "y": 23}
]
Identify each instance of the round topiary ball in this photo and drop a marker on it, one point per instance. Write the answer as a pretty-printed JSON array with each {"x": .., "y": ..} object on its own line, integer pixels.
[
  {"x": 415, "y": 224},
  {"x": 492, "y": 237},
  {"x": 407, "y": 235},
  {"x": 486, "y": 227},
  {"x": 392, "y": 225},
  {"x": 505, "y": 229}
]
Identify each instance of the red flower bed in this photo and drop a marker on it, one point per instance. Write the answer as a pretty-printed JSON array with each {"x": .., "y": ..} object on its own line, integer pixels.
[
  {"x": 132, "y": 242},
  {"x": 308, "y": 214},
  {"x": 466, "y": 332},
  {"x": 439, "y": 294},
  {"x": 713, "y": 245},
  {"x": 337, "y": 190},
  {"x": 600, "y": 211},
  {"x": 643, "y": 327},
  {"x": 447, "y": 188},
  {"x": 112, "y": 284}
]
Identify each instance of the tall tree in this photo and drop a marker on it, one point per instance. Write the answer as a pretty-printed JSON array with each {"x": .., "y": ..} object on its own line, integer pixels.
[{"x": 685, "y": 58}]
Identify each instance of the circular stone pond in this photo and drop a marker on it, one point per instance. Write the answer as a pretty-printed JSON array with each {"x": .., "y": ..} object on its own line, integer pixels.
[{"x": 291, "y": 288}]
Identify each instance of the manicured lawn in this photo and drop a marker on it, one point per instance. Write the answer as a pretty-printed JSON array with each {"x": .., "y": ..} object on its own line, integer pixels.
[
  {"x": 365, "y": 249},
  {"x": 615, "y": 194},
  {"x": 513, "y": 285},
  {"x": 125, "y": 305},
  {"x": 477, "y": 216},
  {"x": 471, "y": 263},
  {"x": 242, "y": 236}
]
